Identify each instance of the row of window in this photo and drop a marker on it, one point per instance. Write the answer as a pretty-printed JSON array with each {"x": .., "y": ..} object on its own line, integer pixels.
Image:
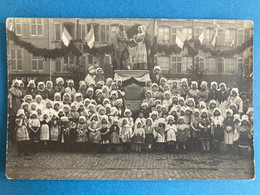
[
  {"x": 181, "y": 65},
  {"x": 37, "y": 63},
  {"x": 227, "y": 37},
  {"x": 166, "y": 34},
  {"x": 174, "y": 65},
  {"x": 36, "y": 26}
]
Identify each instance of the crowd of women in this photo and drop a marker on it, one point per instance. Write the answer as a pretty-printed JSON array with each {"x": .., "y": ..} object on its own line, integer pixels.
[{"x": 174, "y": 116}]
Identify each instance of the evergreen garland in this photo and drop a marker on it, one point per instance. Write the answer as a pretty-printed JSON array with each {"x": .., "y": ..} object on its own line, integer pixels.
[{"x": 193, "y": 46}]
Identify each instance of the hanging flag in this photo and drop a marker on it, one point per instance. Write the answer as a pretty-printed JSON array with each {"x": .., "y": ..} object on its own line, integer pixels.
[
  {"x": 232, "y": 43},
  {"x": 152, "y": 33},
  {"x": 66, "y": 37},
  {"x": 10, "y": 24},
  {"x": 201, "y": 37},
  {"x": 90, "y": 38},
  {"x": 179, "y": 39},
  {"x": 214, "y": 40},
  {"x": 152, "y": 30}
]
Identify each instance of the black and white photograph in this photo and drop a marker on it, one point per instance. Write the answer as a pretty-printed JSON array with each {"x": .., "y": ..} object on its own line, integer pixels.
[{"x": 130, "y": 99}]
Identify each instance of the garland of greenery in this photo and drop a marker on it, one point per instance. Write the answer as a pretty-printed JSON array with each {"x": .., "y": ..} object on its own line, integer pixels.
[{"x": 193, "y": 46}]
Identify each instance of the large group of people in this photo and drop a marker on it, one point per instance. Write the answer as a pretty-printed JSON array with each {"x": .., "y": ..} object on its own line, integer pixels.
[{"x": 174, "y": 116}]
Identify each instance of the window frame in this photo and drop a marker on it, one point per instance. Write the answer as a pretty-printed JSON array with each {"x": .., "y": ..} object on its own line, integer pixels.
[
  {"x": 164, "y": 70},
  {"x": 208, "y": 65},
  {"x": 169, "y": 35},
  {"x": 36, "y": 27},
  {"x": 175, "y": 61},
  {"x": 16, "y": 59},
  {"x": 55, "y": 37},
  {"x": 225, "y": 66},
  {"x": 238, "y": 42},
  {"x": 174, "y": 33},
  {"x": 106, "y": 31},
  {"x": 208, "y": 37},
  {"x": 229, "y": 42},
  {"x": 37, "y": 59},
  {"x": 20, "y": 24},
  {"x": 187, "y": 28}
]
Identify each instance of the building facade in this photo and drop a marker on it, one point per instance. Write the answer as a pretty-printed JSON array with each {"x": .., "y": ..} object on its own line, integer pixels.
[{"x": 46, "y": 33}]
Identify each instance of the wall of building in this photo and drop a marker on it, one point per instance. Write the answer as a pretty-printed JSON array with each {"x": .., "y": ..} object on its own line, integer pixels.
[{"x": 175, "y": 65}]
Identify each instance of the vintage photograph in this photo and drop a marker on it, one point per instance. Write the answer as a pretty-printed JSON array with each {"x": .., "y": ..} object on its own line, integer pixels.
[{"x": 130, "y": 99}]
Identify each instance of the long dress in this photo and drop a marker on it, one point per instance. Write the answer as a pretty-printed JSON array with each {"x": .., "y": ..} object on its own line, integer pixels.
[
  {"x": 125, "y": 133},
  {"x": 45, "y": 131},
  {"x": 229, "y": 131},
  {"x": 171, "y": 132},
  {"x": 16, "y": 100},
  {"x": 94, "y": 136},
  {"x": 114, "y": 134},
  {"x": 140, "y": 58},
  {"x": 218, "y": 132},
  {"x": 34, "y": 124},
  {"x": 21, "y": 130},
  {"x": 55, "y": 131}
]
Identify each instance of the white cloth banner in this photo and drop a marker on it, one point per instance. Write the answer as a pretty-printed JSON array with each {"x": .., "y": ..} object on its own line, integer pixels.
[{"x": 139, "y": 75}]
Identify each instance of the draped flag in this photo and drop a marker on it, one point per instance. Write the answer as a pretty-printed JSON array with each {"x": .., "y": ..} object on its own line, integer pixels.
[
  {"x": 152, "y": 30},
  {"x": 90, "y": 38},
  {"x": 201, "y": 37},
  {"x": 214, "y": 40},
  {"x": 66, "y": 37},
  {"x": 180, "y": 39},
  {"x": 232, "y": 43},
  {"x": 10, "y": 24}
]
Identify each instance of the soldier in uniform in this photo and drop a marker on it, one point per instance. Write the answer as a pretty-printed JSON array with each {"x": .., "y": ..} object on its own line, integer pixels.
[{"x": 121, "y": 48}]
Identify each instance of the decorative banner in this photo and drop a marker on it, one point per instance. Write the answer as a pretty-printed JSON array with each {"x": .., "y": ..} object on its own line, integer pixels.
[
  {"x": 139, "y": 75},
  {"x": 193, "y": 45}
]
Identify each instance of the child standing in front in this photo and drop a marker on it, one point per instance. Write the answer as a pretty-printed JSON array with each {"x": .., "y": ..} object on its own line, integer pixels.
[
  {"x": 171, "y": 130},
  {"x": 204, "y": 132},
  {"x": 138, "y": 136},
  {"x": 125, "y": 135},
  {"x": 217, "y": 130},
  {"x": 159, "y": 134},
  {"x": 228, "y": 130},
  {"x": 44, "y": 131},
  {"x": 105, "y": 134},
  {"x": 82, "y": 130},
  {"x": 182, "y": 134},
  {"x": 148, "y": 133},
  {"x": 115, "y": 139},
  {"x": 22, "y": 134},
  {"x": 34, "y": 130}
]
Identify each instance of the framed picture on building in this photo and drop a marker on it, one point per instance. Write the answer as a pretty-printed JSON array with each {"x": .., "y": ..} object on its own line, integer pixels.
[{"x": 130, "y": 99}]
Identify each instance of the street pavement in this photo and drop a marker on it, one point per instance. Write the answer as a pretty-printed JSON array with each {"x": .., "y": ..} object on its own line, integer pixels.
[{"x": 128, "y": 166}]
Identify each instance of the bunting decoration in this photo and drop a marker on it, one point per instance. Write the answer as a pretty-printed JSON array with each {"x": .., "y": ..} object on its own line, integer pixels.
[{"x": 193, "y": 46}]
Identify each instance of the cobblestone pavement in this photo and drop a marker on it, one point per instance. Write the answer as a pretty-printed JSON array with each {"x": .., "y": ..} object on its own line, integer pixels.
[{"x": 128, "y": 166}]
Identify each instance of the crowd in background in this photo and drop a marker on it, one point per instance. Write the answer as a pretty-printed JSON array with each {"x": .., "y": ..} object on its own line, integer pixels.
[{"x": 174, "y": 116}]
